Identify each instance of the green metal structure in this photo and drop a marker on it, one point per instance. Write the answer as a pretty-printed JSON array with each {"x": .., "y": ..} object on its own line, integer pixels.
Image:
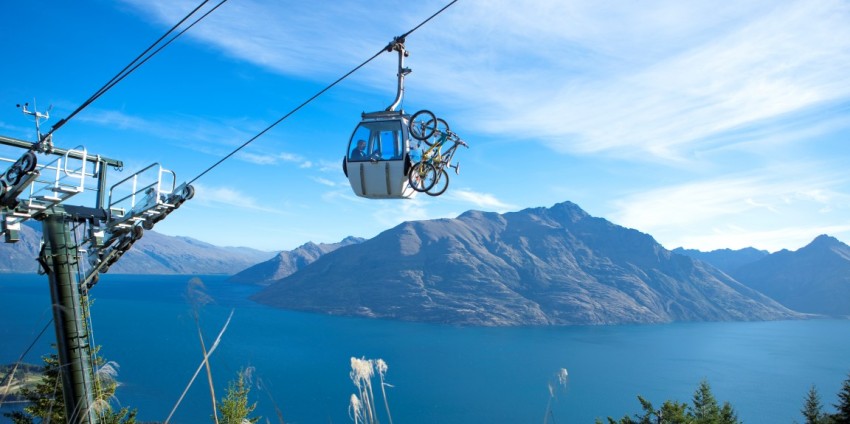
[{"x": 73, "y": 262}]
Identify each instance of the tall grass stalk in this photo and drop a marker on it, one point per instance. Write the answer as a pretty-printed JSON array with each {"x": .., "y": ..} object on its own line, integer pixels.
[
  {"x": 201, "y": 366},
  {"x": 209, "y": 372},
  {"x": 362, "y": 404},
  {"x": 560, "y": 381},
  {"x": 198, "y": 297},
  {"x": 382, "y": 370},
  {"x": 261, "y": 385},
  {"x": 355, "y": 409}
]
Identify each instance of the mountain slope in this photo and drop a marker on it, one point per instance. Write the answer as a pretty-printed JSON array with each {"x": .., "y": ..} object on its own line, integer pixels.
[
  {"x": 726, "y": 260},
  {"x": 21, "y": 256},
  {"x": 534, "y": 267},
  {"x": 286, "y": 263},
  {"x": 814, "y": 279},
  {"x": 155, "y": 253}
]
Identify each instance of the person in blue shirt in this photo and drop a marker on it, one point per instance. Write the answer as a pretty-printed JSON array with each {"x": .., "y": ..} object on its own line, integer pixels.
[{"x": 359, "y": 153}]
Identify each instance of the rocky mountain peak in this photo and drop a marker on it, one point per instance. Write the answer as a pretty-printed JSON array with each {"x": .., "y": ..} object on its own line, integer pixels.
[{"x": 537, "y": 266}]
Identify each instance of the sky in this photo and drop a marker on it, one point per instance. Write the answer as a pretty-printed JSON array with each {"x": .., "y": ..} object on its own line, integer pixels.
[{"x": 706, "y": 125}]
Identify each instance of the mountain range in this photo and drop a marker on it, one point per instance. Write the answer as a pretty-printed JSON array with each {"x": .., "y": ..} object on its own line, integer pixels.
[
  {"x": 726, "y": 260},
  {"x": 813, "y": 279},
  {"x": 539, "y": 266},
  {"x": 286, "y": 263},
  {"x": 154, "y": 253}
]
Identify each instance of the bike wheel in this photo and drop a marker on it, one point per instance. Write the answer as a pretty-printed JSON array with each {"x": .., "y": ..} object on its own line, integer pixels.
[
  {"x": 441, "y": 183},
  {"x": 422, "y": 125},
  {"x": 442, "y": 126},
  {"x": 422, "y": 176}
]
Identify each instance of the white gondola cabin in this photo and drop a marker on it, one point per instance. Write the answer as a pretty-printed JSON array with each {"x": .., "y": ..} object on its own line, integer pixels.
[{"x": 377, "y": 160}]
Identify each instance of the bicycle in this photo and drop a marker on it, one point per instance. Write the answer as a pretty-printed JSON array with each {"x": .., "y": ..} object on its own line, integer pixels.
[{"x": 430, "y": 171}]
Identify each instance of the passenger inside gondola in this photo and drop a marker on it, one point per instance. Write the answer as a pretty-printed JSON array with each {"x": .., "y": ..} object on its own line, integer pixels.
[{"x": 359, "y": 152}]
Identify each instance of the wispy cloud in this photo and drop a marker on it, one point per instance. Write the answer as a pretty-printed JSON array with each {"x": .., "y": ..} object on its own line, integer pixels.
[
  {"x": 216, "y": 137},
  {"x": 736, "y": 237},
  {"x": 583, "y": 77},
  {"x": 191, "y": 131},
  {"x": 327, "y": 182},
  {"x": 610, "y": 82},
  {"x": 292, "y": 38},
  {"x": 393, "y": 212},
  {"x": 485, "y": 201},
  {"x": 227, "y": 197},
  {"x": 274, "y": 159},
  {"x": 759, "y": 201}
]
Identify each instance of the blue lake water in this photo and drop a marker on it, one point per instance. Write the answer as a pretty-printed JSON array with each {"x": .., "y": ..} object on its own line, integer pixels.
[{"x": 439, "y": 374}]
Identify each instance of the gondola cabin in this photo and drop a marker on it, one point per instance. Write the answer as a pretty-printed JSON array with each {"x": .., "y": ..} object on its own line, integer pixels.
[{"x": 376, "y": 162}]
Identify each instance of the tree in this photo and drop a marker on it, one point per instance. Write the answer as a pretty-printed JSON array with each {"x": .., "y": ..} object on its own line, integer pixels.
[
  {"x": 45, "y": 399},
  {"x": 813, "y": 409},
  {"x": 46, "y": 404},
  {"x": 703, "y": 410},
  {"x": 843, "y": 405},
  {"x": 234, "y": 405}
]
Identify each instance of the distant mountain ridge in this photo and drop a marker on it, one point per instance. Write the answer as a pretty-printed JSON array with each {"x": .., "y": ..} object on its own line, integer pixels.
[
  {"x": 726, "y": 260},
  {"x": 813, "y": 279},
  {"x": 288, "y": 262},
  {"x": 155, "y": 253},
  {"x": 538, "y": 266}
]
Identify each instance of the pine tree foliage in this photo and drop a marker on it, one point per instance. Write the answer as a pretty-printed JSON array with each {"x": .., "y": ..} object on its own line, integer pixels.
[
  {"x": 813, "y": 408},
  {"x": 234, "y": 406},
  {"x": 47, "y": 404},
  {"x": 704, "y": 409},
  {"x": 843, "y": 406}
]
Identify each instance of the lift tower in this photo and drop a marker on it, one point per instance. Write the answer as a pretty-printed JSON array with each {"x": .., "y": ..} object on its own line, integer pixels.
[{"x": 80, "y": 242}]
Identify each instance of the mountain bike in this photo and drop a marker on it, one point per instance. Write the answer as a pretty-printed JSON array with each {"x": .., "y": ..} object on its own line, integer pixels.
[{"x": 429, "y": 174}]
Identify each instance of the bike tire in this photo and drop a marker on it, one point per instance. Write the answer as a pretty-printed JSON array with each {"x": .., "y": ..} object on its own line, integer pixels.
[
  {"x": 442, "y": 125},
  {"x": 422, "y": 176},
  {"x": 422, "y": 125},
  {"x": 441, "y": 183}
]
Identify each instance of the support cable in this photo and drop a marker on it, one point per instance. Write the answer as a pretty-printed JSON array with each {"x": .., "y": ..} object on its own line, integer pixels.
[
  {"x": 322, "y": 91},
  {"x": 135, "y": 63},
  {"x": 11, "y": 374}
]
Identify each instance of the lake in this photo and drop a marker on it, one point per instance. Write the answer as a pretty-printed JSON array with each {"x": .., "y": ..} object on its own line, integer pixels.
[{"x": 439, "y": 374}]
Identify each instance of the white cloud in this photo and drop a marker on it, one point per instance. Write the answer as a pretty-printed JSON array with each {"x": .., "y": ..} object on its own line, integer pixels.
[
  {"x": 638, "y": 80},
  {"x": 587, "y": 77},
  {"x": 292, "y": 38},
  {"x": 266, "y": 159},
  {"x": 227, "y": 197},
  {"x": 485, "y": 201},
  {"x": 327, "y": 182},
  {"x": 735, "y": 237},
  {"x": 771, "y": 204},
  {"x": 664, "y": 81}
]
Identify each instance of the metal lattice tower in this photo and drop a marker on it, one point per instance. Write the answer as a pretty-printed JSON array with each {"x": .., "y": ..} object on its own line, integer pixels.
[{"x": 37, "y": 185}]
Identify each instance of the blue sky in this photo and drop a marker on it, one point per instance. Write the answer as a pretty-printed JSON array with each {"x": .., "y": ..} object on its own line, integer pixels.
[{"x": 707, "y": 125}]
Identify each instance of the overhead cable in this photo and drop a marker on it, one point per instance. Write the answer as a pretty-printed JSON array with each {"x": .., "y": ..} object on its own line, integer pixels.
[
  {"x": 138, "y": 61},
  {"x": 322, "y": 91}
]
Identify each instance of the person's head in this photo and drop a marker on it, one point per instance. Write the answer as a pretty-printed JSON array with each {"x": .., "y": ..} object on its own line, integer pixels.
[{"x": 361, "y": 145}]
